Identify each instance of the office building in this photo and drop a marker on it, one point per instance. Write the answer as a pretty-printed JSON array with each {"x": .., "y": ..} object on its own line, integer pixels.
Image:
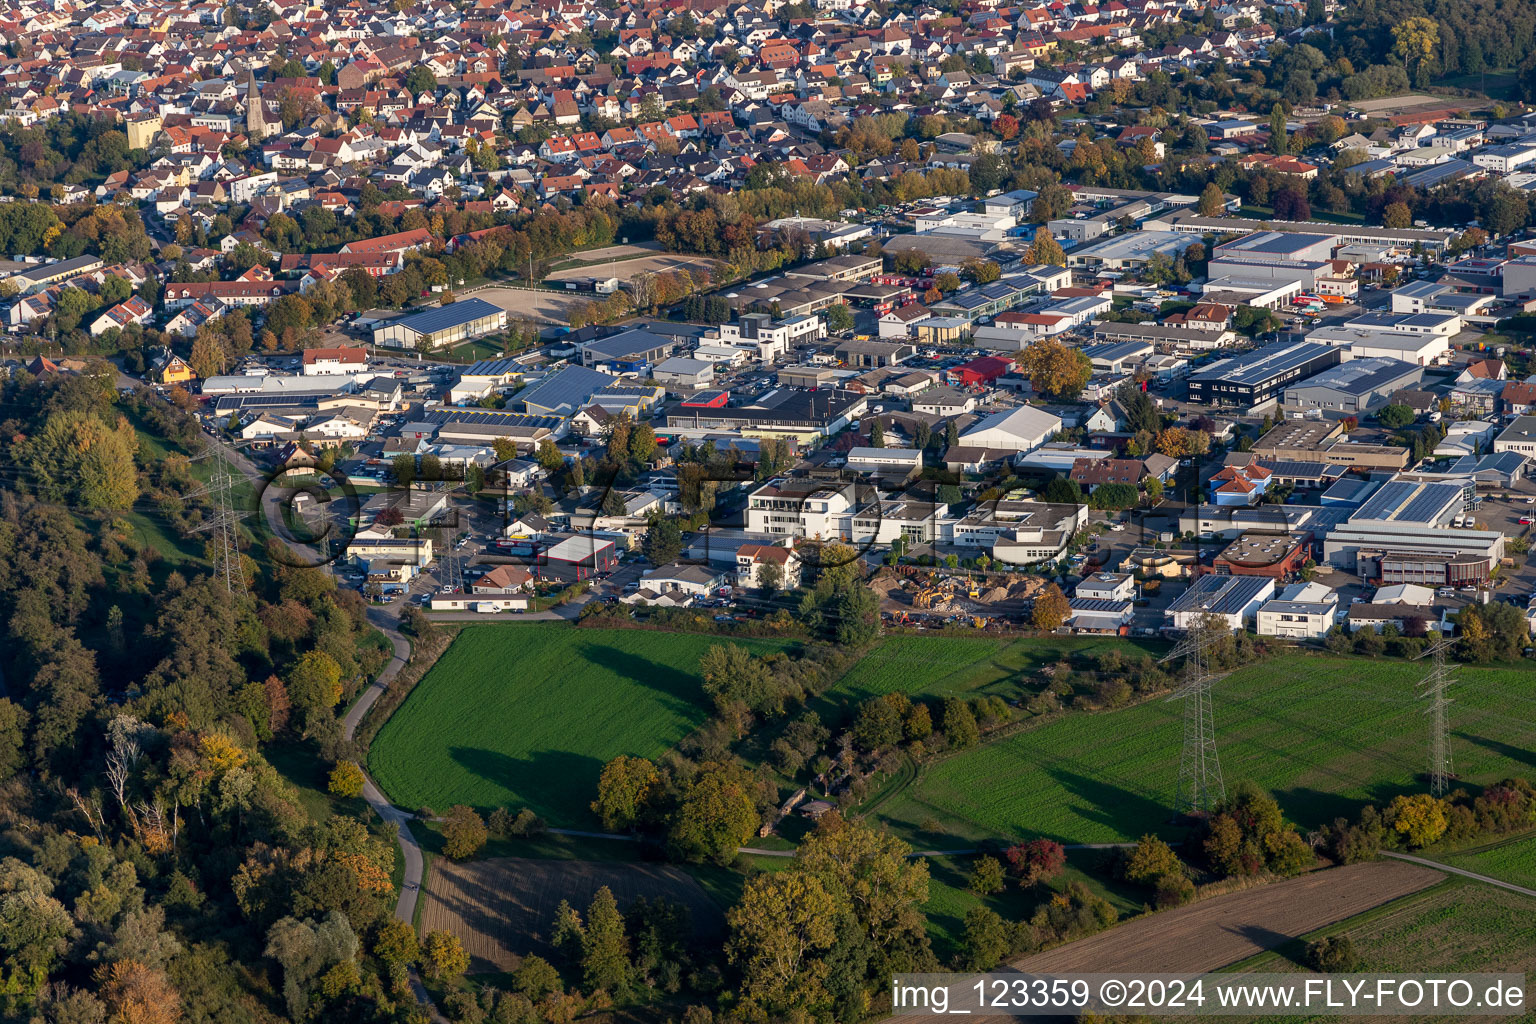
[{"x": 1260, "y": 375}]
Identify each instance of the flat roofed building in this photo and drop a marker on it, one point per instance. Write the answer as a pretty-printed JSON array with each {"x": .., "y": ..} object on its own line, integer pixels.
[
  {"x": 1432, "y": 240},
  {"x": 839, "y": 268},
  {"x": 1130, "y": 251},
  {"x": 484, "y": 426},
  {"x": 1278, "y": 246},
  {"x": 1163, "y": 338},
  {"x": 1443, "y": 324},
  {"x": 802, "y": 415},
  {"x": 1275, "y": 555},
  {"x": 874, "y": 353},
  {"x": 1260, "y": 375},
  {"x": 807, "y": 376}
]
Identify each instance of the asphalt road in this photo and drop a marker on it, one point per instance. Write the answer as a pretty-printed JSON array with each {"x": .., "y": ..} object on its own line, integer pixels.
[
  {"x": 387, "y": 619},
  {"x": 1512, "y": 887}
]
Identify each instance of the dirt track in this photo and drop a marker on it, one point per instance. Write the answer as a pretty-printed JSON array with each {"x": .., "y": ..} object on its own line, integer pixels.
[
  {"x": 505, "y": 907},
  {"x": 626, "y": 269},
  {"x": 533, "y": 304}
]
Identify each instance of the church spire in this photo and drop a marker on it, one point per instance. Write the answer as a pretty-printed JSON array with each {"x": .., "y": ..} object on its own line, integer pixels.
[{"x": 255, "y": 115}]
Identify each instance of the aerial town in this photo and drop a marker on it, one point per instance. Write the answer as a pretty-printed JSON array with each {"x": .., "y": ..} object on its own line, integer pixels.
[{"x": 681, "y": 511}]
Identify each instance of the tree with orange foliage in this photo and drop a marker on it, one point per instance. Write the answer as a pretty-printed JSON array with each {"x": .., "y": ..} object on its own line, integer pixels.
[{"x": 139, "y": 994}]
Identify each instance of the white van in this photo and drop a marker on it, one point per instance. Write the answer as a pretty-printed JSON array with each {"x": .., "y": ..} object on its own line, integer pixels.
[{"x": 487, "y": 607}]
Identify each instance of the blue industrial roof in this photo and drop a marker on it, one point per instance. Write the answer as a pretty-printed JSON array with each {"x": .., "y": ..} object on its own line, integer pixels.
[
  {"x": 443, "y": 318},
  {"x": 566, "y": 389},
  {"x": 503, "y": 417}
]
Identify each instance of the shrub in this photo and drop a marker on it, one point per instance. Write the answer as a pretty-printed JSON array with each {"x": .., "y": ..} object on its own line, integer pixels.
[
  {"x": 1333, "y": 955},
  {"x": 1037, "y": 861},
  {"x": 986, "y": 876}
]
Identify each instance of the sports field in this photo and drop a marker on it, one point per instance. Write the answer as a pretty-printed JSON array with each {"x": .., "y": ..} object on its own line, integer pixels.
[
  {"x": 526, "y": 715},
  {"x": 1324, "y": 734}
]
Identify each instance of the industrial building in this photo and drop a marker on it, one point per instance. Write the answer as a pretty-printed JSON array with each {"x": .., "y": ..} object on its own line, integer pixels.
[
  {"x": 1234, "y": 599},
  {"x": 1260, "y": 375},
  {"x": 1130, "y": 251},
  {"x": 798, "y": 415},
  {"x": 445, "y": 325},
  {"x": 629, "y": 350},
  {"x": 1162, "y": 337},
  {"x": 562, "y": 391},
  {"x": 1422, "y": 338},
  {"x": 1431, "y": 240},
  {"x": 1519, "y": 436},
  {"x": 1320, "y": 441},
  {"x": 1353, "y": 388},
  {"x": 1276, "y": 247},
  {"x": 1401, "y": 531}
]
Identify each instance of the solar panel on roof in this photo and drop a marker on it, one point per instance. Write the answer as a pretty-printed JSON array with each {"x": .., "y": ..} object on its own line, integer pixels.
[
  {"x": 1429, "y": 502},
  {"x": 1385, "y": 501}
]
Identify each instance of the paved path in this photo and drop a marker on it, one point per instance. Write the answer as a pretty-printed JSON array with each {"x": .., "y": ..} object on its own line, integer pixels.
[
  {"x": 386, "y": 618},
  {"x": 1512, "y": 887}
]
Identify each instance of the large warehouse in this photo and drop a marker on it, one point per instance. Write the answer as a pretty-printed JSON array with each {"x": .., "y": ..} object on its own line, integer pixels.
[
  {"x": 445, "y": 325},
  {"x": 1402, "y": 534},
  {"x": 1260, "y": 375},
  {"x": 1353, "y": 388}
]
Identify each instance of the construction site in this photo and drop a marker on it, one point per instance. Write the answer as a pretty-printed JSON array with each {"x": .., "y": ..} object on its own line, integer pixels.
[{"x": 910, "y": 592}]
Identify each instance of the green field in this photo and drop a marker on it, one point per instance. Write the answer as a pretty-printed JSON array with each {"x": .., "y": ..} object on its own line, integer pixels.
[
  {"x": 1324, "y": 734},
  {"x": 1513, "y": 861},
  {"x": 526, "y": 715}
]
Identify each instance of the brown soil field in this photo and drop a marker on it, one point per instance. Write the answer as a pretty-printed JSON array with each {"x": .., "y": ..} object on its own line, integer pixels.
[
  {"x": 1222, "y": 930},
  {"x": 504, "y": 907},
  {"x": 1225, "y": 929}
]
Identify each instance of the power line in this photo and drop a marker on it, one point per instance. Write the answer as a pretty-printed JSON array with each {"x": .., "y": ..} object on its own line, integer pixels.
[
  {"x": 225, "y": 526},
  {"x": 1200, "y": 785},
  {"x": 1434, "y": 686}
]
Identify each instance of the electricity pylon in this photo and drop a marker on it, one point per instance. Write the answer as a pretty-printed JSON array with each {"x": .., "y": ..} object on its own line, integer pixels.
[
  {"x": 1434, "y": 684},
  {"x": 1200, "y": 784},
  {"x": 225, "y": 526}
]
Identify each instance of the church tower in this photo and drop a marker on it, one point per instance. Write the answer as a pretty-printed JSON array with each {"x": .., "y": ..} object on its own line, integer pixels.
[{"x": 255, "y": 115}]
